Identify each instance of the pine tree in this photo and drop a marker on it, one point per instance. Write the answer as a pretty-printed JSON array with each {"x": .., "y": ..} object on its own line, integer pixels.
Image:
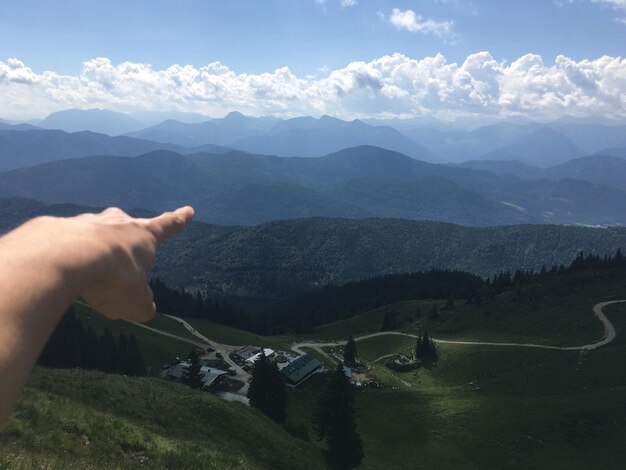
[
  {"x": 192, "y": 375},
  {"x": 267, "y": 390},
  {"x": 334, "y": 421},
  {"x": 122, "y": 365},
  {"x": 349, "y": 351},
  {"x": 426, "y": 348},
  {"x": 107, "y": 355},
  {"x": 136, "y": 366}
]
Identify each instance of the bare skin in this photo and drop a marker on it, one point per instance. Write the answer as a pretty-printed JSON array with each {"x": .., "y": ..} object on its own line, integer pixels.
[{"x": 48, "y": 262}]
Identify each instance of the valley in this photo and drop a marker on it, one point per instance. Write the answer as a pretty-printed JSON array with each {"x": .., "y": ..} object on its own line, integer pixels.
[{"x": 550, "y": 394}]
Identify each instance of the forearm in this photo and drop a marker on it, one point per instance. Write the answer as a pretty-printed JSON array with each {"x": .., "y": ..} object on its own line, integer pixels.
[
  {"x": 36, "y": 288},
  {"x": 48, "y": 262}
]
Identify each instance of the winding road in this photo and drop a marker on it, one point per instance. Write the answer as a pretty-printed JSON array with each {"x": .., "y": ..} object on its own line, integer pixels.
[
  {"x": 609, "y": 335},
  {"x": 224, "y": 350}
]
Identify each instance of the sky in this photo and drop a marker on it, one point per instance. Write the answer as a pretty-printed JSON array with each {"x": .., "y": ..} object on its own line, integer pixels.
[{"x": 348, "y": 58}]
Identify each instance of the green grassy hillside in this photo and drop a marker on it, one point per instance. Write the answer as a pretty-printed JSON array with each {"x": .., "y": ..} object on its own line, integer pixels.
[
  {"x": 155, "y": 348},
  {"x": 88, "y": 420},
  {"x": 536, "y": 409},
  {"x": 556, "y": 311}
]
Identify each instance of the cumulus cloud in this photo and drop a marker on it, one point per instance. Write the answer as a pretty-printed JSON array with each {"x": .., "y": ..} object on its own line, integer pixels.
[
  {"x": 411, "y": 21},
  {"x": 348, "y": 3},
  {"x": 391, "y": 86}
]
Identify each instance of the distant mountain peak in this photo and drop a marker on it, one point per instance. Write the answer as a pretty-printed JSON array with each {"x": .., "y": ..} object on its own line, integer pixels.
[{"x": 235, "y": 115}]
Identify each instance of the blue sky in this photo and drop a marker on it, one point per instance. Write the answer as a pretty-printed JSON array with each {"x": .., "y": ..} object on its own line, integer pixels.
[
  {"x": 312, "y": 38},
  {"x": 258, "y": 36}
]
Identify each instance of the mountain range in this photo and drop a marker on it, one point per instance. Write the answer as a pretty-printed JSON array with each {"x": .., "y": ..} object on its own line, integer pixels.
[
  {"x": 246, "y": 189},
  {"x": 25, "y": 147},
  {"x": 539, "y": 144},
  {"x": 279, "y": 259}
]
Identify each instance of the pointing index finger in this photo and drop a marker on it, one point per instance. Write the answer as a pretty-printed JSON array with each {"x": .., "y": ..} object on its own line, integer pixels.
[{"x": 169, "y": 224}]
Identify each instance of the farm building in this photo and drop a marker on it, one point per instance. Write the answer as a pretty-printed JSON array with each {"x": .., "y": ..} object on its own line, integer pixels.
[
  {"x": 269, "y": 353},
  {"x": 243, "y": 354},
  {"x": 176, "y": 371},
  {"x": 301, "y": 369}
]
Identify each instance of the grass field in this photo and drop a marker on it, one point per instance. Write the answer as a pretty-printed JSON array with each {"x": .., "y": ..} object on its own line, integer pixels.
[
  {"x": 156, "y": 349},
  {"x": 228, "y": 335},
  {"x": 91, "y": 420},
  {"x": 553, "y": 313},
  {"x": 536, "y": 409}
]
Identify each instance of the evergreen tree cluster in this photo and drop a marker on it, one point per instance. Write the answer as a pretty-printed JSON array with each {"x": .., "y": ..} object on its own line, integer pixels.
[
  {"x": 331, "y": 303},
  {"x": 182, "y": 303},
  {"x": 426, "y": 348},
  {"x": 268, "y": 392},
  {"x": 73, "y": 345},
  {"x": 504, "y": 280},
  {"x": 334, "y": 421}
]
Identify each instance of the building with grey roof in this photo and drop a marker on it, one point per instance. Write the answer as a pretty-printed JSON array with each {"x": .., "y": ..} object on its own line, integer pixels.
[{"x": 301, "y": 369}]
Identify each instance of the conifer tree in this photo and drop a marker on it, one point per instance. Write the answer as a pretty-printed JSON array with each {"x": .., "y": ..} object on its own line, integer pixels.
[
  {"x": 349, "y": 351},
  {"x": 135, "y": 361},
  {"x": 426, "y": 348},
  {"x": 267, "y": 390},
  {"x": 192, "y": 375},
  {"x": 334, "y": 421},
  {"x": 107, "y": 354}
]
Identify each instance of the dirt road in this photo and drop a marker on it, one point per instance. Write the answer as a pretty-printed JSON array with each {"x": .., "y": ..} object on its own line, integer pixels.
[{"x": 609, "y": 335}]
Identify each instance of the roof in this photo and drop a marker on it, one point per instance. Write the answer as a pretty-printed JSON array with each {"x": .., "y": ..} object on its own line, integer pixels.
[
  {"x": 247, "y": 352},
  {"x": 268, "y": 352},
  {"x": 209, "y": 378},
  {"x": 176, "y": 371},
  {"x": 301, "y": 368},
  {"x": 347, "y": 371}
]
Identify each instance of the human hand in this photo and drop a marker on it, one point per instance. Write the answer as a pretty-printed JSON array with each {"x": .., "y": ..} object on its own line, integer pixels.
[{"x": 120, "y": 254}]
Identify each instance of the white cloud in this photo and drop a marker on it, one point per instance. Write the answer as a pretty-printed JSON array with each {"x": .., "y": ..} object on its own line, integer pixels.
[
  {"x": 392, "y": 85},
  {"x": 411, "y": 21},
  {"x": 619, "y": 5},
  {"x": 343, "y": 3}
]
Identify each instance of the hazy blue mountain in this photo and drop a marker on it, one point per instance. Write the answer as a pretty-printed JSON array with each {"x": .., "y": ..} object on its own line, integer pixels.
[
  {"x": 216, "y": 131},
  {"x": 101, "y": 121},
  {"x": 427, "y": 198},
  {"x": 564, "y": 201},
  {"x": 240, "y": 188},
  {"x": 412, "y": 123},
  {"x": 30, "y": 147},
  {"x": 613, "y": 152},
  {"x": 599, "y": 169},
  {"x": 151, "y": 118},
  {"x": 460, "y": 145},
  {"x": 543, "y": 147},
  {"x": 152, "y": 181},
  {"x": 6, "y": 126},
  {"x": 206, "y": 148},
  {"x": 308, "y": 137},
  {"x": 261, "y": 202},
  {"x": 506, "y": 167},
  {"x": 592, "y": 137}
]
